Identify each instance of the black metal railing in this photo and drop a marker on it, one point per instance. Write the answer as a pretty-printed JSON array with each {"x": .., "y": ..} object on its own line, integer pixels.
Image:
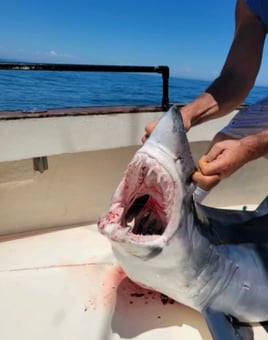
[{"x": 163, "y": 70}]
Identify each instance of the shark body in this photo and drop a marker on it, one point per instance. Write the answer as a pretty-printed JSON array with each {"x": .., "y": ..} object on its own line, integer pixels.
[{"x": 212, "y": 260}]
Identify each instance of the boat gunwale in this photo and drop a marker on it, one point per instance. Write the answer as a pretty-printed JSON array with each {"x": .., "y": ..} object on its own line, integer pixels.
[{"x": 84, "y": 111}]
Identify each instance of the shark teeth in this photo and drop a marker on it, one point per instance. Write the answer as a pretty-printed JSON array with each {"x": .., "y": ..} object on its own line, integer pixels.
[
  {"x": 148, "y": 198},
  {"x": 130, "y": 225},
  {"x": 147, "y": 223}
]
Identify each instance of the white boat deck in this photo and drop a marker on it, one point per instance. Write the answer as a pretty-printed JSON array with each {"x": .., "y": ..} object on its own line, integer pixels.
[{"x": 64, "y": 284}]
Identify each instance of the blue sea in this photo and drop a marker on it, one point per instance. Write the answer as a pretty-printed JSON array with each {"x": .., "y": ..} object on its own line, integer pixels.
[{"x": 39, "y": 90}]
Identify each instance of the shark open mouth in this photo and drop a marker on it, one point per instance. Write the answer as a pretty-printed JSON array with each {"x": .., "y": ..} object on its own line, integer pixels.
[
  {"x": 142, "y": 218},
  {"x": 148, "y": 195}
]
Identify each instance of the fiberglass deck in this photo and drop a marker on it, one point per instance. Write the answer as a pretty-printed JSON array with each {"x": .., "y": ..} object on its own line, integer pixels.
[{"x": 65, "y": 285}]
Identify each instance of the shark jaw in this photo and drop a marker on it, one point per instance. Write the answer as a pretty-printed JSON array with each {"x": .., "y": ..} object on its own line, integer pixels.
[
  {"x": 148, "y": 207},
  {"x": 142, "y": 209}
]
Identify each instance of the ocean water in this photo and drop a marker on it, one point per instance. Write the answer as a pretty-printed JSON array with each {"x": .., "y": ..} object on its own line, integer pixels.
[{"x": 38, "y": 90}]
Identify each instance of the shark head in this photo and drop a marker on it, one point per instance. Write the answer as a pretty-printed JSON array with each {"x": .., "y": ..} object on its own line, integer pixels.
[
  {"x": 164, "y": 242},
  {"x": 147, "y": 207}
]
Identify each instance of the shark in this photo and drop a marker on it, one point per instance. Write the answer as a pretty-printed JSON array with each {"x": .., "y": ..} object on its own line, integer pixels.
[{"x": 210, "y": 259}]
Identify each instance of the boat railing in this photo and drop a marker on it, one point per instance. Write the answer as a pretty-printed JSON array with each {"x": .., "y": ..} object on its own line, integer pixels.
[{"x": 162, "y": 70}]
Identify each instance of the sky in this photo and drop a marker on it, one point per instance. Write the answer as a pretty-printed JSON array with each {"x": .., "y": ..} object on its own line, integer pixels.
[{"x": 191, "y": 37}]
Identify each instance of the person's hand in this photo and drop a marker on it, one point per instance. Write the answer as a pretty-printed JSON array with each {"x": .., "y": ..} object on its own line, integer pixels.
[
  {"x": 224, "y": 158},
  {"x": 150, "y": 126},
  {"x": 205, "y": 182},
  {"x": 148, "y": 130}
]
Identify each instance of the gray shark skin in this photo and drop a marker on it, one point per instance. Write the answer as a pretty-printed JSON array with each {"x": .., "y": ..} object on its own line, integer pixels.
[{"x": 212, "y": 260}]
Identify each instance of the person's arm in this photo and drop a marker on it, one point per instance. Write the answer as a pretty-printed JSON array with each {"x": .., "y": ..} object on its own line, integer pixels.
[
  {"x": 223, "y": 96},
  {"x": 237, "y": 77},
  {"x": 238, "y": 74}
]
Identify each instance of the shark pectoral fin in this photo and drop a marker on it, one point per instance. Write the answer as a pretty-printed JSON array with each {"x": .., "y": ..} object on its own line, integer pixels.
[{"x": 221, "y": 327}]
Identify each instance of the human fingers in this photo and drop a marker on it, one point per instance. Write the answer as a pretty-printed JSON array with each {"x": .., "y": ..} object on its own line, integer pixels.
[
  {"x": 150, "y": 126},
  {"x": 144, "y": 138},
  {"x": 214, "y": 162},
  {"x": 214, "y": 151},
  {"x": 205, "y": 182},
  {"x": 225, "y": 157},
  {"x": 148, "y": 130}
]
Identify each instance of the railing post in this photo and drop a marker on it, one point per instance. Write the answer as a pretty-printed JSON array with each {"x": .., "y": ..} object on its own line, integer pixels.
[{"x": 165, "y": 94}]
